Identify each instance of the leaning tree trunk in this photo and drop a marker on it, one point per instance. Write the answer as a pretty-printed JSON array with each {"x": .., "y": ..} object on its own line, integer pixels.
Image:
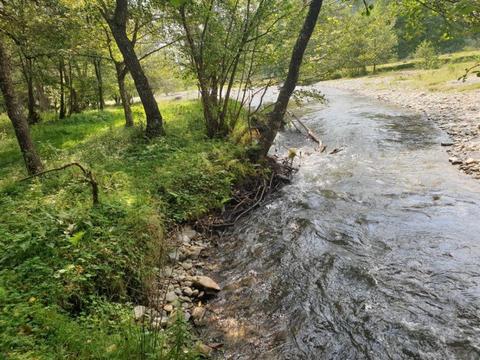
[
  {"x": 32, "y": 160},
  {"x": 127, "y": 110},
  {"x": 118, "y": 25},
  {"x": 275, "y": 118}
]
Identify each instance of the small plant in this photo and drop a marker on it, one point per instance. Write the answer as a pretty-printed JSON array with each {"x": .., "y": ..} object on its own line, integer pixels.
[{"x": 427, "y": 55}]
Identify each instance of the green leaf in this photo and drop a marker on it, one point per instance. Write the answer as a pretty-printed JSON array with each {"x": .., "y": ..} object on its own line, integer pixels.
[{"x": 75, "y": 238}]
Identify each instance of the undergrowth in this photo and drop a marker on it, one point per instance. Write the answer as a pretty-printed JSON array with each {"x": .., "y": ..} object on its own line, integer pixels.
[{"x": 70, "y": 272}]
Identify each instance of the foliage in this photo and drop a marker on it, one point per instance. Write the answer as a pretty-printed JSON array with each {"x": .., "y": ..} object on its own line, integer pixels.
[
  {"x": 349, "y": 41},
  {"x": 67, "y": 268},
  {"x": 427, "y": 55}
]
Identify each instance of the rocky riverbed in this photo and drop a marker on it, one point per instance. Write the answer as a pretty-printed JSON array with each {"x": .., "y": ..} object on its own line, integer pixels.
[
  {"x": 182, "y": 286},
  {"x": 458, "y": 113}
]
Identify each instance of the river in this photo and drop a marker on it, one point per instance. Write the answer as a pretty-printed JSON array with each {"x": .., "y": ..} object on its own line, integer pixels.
[{"x": 371, "y": 253}]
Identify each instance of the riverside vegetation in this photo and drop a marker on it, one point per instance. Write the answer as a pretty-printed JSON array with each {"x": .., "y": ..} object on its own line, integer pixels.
[
  {"x": 83, "y": 279},
  {"x": 70, "y": 271}
]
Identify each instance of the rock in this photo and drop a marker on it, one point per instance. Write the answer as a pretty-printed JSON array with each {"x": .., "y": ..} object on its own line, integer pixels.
[
  {"x": 171, "y": 296},
  {"x": 470, "y": 161},
  {"x": 139, "y": 312},
  {"x": 447, "y": 143},
  {"x": 198, "y": 313},
  {"x": 203, "y": 349},
  {"x": 187, "y": 265},
  {"x": 186, "y": 235},
  {"x": 205, "y": 283},
  {"x": 187, "y": 291},
  {"x": 160, "y": 322},
  {"x": 168, "y": 308},
  {"x": 455, "y": 161},
  {"x": 174, "y": 256},
  {"x": 178, "y": 291},
  {"x": 194, "y": 252}
]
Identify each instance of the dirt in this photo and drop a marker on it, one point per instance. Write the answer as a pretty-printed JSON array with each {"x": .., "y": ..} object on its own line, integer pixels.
[{"x": 457, "y": 113}]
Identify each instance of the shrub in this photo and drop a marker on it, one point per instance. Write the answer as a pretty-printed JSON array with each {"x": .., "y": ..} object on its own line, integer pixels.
[{"x": 427, "y": 55}]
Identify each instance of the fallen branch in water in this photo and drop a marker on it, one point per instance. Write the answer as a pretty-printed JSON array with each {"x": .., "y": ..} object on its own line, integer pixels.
[
  {"x": 310, "y": 133},
  {"x": 86, "y": 173}
]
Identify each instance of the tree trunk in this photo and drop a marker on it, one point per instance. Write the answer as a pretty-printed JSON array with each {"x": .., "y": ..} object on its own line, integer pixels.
[
  {"x": 27, "y": 69},
  {"x": 61, "y": 69},
  {"x": 20, "y": 124},
  {"x": 118, "y": 24},
  {"x": 121, "y": 73},
  {"x": 275, "y": 118},
  {"x": 33, "y": 116},
  {"x": 97, "y": 63},
  {"x": 73, "y": 108}
]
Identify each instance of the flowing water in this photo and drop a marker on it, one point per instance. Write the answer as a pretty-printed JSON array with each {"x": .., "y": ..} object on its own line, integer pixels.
[{"x": 371, "y": 253}]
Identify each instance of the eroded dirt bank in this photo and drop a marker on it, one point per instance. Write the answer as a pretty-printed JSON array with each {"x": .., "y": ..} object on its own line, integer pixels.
[{"x": 458, "y": 113}]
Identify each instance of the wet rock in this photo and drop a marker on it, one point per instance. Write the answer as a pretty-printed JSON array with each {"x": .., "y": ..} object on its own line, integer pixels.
[{"x": 205, "y": 283}]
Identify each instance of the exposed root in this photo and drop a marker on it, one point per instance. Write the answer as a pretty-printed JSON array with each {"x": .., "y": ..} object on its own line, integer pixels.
[{"x": 249, "y": 196}]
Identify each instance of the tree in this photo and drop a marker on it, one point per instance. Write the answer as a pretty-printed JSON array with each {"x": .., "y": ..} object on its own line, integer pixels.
[
  {"x": 275, "y": 118},
  {"x": 225, "y": 43},
  {"x": 118, "y": 25},
  {"x": 20, "y": 124}
]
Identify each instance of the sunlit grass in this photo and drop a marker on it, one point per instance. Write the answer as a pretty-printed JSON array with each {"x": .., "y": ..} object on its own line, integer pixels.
[{"x": 72, "y": 258}]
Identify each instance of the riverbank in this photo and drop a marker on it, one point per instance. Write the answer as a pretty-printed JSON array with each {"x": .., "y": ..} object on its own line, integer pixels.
[
  {"x": 71, "y": 274},
  {"x": 456, "y": 112}
]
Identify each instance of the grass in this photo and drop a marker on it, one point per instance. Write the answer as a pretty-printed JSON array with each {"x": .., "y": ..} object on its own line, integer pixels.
[
  {"x": 443, "y": 79},
  {"x": 70, "y": 272}
]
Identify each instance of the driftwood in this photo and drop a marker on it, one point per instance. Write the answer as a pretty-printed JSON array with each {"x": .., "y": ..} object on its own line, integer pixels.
[
  {"x": 86, "y": 173},
  {"x": 310, "y": 133}
]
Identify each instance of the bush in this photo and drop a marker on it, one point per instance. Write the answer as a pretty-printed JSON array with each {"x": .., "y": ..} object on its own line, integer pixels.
[{"x": 427, "y": 55}]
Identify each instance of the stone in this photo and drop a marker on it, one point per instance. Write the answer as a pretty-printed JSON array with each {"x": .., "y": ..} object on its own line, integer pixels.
[
  {"x": 168, "y": 308},
  {"x": 171, "y": 296},
  {"x": 198, "y": 313},
  {"x": 455, "y": 161},
  {"x": 139, "y": 312},
  {"x": 160, "y": 322},
  {"x": 447, "y": 143},
  {"x": 205, "y": 283},
  {"x": 203, "y": 349},
  {"x": 187, "y": 291},
  {"x": 470, "y": 161},
  {"x": 187, "y": 265}
]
